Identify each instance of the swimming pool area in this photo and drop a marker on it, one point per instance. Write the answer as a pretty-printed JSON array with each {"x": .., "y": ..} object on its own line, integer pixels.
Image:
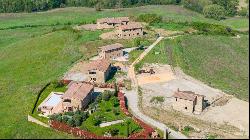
[{"x": 53, "y": 99}]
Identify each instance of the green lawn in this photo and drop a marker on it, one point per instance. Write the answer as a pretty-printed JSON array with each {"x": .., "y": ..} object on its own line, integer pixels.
[
  {"x": 219, "y": 61},
  {"x": 27, "y": 64}
]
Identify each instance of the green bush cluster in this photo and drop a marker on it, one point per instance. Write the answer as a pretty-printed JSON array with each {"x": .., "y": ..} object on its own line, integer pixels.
[
  {"x": 106, "y": 95},
  {"x": 212, "y": 29},
  {"x": 214, "y": 11},
  {"x": 149, "y": 18},
  {"x": 71, "y": 118},
  {"x": 157, "y": 99}
]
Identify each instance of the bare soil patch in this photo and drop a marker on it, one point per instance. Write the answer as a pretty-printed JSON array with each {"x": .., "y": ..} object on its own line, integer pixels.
[
  {"x": 162, "y": 74},
  {"x": 225, "y": 115}
]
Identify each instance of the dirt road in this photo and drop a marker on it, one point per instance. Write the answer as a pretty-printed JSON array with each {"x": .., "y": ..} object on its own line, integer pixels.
[{"x": 132, "y": 97}]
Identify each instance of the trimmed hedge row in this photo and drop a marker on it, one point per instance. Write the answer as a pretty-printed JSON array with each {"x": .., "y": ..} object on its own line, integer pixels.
[{"x": 38, "y": 96}]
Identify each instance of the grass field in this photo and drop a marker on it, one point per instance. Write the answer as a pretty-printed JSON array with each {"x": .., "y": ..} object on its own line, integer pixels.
[
  {"x": 30, "y": 57},
  {"x": 27, "y": 64},
  {"x": 88, "y": 15},
  {"x": 219, "y": 61}
]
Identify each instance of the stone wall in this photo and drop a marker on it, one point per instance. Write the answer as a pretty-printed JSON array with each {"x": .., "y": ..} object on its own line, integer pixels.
[
  {"x": 183, "y": 105},
  {"x": 126, "y": 34}
]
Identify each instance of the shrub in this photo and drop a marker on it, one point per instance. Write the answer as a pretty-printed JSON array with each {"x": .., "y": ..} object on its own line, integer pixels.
[
  {"x": 116, "y": 90},
  {"x": 98, "y": 7},
  {"x": 214, "y": 11},
  {"x": 77, "y": 119},
  {"x": 137, "y": 42},
  {"x": 65, "y": 119},
  {"x": 97, "y": 120},
  {"x": 52, "y": 117},
  {"x": 116, "y": 111},
  {"x": 71, "y": 122},
  {"x": 71, "y": 113},
  {"x": 196, "y": 5},
  {"x": 115, "y": 102},
  {"x": 212, "y": 29},
  {"x": 108, "y": 109},
  {"x": 98, "y": 98},
  {"x": 243, "y": 12},
  {"x": 57, "y": 84},
  {"x": 106, "y": 95},
  {"x": 84, "y": 115},
  {"x": 114, "y": 131},
  {"x": 58, "y": 117},
  {"x": 149, "y": 18},
  {"x": 157, "y": 99},
  {"x": 230, "y": 6},
  {"x": 211, "y": 136}
]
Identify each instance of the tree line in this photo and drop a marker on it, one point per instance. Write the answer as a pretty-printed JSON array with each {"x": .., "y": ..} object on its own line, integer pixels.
[
  {"x": 14, "y": 6},
  {"x": 217, "y": 9}
]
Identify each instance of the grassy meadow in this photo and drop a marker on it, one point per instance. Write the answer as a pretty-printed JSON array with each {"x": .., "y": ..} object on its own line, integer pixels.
[
  {"x": 36, "y": 48},
  {"x": 81, "y": 15},
  {"x": 219, "y": 61}
]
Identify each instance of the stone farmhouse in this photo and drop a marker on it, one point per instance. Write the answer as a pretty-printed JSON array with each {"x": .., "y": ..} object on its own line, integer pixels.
[
  {"x": 108, "y": 23},
  {"x": 98, "y": 71},
  {"x": 131, "y": 30},
  {"x": 188, "y": 101},
  {"x": 111, "y": 52},
  {"x": 77, "y": 97}
]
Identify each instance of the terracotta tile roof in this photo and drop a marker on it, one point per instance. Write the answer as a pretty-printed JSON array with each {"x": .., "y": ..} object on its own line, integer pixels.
[
  {"x": 101, "y": 65},
  {"x": 113, "y": 20},
  {"x": 78, "y": 90},
  {"x": 112, "y": 47},
  {"x": 131, "y": 25},
  {"x": 187, "y": 95}
]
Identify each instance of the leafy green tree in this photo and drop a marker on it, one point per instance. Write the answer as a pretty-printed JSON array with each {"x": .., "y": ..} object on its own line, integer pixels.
[
  {"x": 98, "y": 6},
  {"x": 196, "y": 5},
  {"x": 214, "y": 11},
  {"x": 230, "y": 6}
]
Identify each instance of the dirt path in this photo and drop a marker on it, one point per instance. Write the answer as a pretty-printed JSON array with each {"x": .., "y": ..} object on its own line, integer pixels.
[
  {"x": 34, "y": 120},
  {"x": 132, "y": 96}
]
